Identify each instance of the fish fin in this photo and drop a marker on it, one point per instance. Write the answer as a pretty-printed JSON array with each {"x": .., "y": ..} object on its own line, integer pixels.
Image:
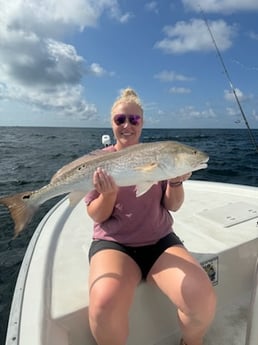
[
  {"x": 21, "y": 211},
  {"x": 143, "y": 188},
  {"x": 75, "y": 197},
  {"x": 147, "y": 167}
]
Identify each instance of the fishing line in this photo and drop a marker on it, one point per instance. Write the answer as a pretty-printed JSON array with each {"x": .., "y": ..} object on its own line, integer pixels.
[{"x": 252, "y": 138}]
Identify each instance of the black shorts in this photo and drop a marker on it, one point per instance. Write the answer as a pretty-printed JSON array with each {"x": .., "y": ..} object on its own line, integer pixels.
[{"x": 144, "y": 256}]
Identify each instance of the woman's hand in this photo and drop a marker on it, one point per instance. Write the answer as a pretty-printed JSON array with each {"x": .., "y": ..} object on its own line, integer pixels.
[
  {"x": 180, "y": 179},
  {"x": 101, "y": 208},
  {"x": 174, "y": 196},
  {"x": 103, "y": 182}
]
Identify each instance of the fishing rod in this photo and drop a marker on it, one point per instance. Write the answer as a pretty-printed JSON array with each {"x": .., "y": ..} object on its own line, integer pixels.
[{"x": 252, "y": 138}]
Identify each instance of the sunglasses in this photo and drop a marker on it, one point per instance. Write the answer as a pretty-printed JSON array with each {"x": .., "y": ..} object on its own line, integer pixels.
[{"x": 120, "y": 119}]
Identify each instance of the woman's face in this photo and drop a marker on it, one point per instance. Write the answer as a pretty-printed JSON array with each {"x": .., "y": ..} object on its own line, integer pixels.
[{"x": 127, "y": 122}]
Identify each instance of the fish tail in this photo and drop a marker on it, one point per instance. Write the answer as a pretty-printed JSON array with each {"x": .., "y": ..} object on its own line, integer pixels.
[{"x": 21, "y": 211}]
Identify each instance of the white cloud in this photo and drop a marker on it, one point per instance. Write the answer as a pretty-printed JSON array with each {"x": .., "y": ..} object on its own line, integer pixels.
[
  {"x": 182, "y": 117},
  {"x": 190, "y": 112},
  {"x": 40, "y": 63},
  {"x": 193, "y": 36},
  {"x": 65, "y": 100},
  {"x": 36, "y": 66},
  {"x": 125, "y": 17},
  {"x": 52, "y": 17},
  {"x": 97, "y": 70},
  {"x": 255, "y": 114},
  {"x": 229, "y": 95},
  {"x": 168, "y": 76},
  {"x": 253, "y": 35},
  {"x": 179, "y": 90},
  {"x": 152, "y": 6},
  {"x": 219, "y": 6},
  {"x": 232, "y": 111}
]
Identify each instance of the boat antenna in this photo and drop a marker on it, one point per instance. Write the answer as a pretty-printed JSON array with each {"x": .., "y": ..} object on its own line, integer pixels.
[{"x": 252, "y": 138}]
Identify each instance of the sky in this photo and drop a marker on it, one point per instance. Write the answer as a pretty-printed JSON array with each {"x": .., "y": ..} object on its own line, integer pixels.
[{"x": 63, "y": 63}]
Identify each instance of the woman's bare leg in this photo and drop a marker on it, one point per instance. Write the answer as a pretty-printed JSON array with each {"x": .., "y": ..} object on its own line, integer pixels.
[
  {"x": 187, "y": 285},
  {"x": 113, "y": 279}
]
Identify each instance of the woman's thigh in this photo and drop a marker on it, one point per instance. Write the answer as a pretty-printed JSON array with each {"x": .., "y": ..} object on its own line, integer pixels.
[
  {"x": 179, "y": 275},
  {"x": 113, "y": 277}
]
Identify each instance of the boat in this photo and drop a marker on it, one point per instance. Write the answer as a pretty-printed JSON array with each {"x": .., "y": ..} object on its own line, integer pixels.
[{"x": 218, "y": 223}]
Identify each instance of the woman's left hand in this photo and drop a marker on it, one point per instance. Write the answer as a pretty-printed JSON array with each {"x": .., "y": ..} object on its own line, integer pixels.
[{"x": 180, "y": 178}]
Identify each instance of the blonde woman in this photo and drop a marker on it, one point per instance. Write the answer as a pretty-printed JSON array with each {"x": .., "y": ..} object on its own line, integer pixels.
[{"x": 134, "y": 240}]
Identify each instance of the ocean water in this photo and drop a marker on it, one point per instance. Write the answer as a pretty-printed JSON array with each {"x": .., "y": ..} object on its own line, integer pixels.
[{"x": 30, "y": 156}]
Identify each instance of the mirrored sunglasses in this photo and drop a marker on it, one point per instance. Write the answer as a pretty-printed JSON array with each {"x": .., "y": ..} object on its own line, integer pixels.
[{"x": 120, "y": 119}]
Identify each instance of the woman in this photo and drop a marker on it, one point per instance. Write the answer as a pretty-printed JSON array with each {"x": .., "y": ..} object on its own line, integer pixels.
[{"x": 134, "y": 240}]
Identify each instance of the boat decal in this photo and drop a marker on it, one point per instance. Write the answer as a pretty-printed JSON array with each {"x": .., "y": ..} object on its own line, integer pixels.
[{"x": 211, "y": 267}]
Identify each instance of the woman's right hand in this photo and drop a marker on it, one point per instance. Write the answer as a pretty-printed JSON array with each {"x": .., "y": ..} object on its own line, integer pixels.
[
  {"x": 101, "y": 208},
  {"x": 103, "y": 182}
]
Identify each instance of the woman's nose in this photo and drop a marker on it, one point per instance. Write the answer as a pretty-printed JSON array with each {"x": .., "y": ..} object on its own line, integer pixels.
[{"x": 126, "y": 123}]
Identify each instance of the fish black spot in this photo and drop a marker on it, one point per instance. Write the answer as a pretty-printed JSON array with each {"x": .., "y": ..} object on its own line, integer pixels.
[{"x": 26, "y": 196}]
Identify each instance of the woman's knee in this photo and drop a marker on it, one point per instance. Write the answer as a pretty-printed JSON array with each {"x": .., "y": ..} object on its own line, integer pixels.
[
  {"x": 113, "y": 298},
  {"x": 200, "y": 296},
  {"x": 106, "y": 311},
  {"x": 102, "y": 301}
]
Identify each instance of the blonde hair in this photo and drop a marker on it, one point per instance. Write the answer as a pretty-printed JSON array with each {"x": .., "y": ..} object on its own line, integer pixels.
[{"x": 127, "y": 95}]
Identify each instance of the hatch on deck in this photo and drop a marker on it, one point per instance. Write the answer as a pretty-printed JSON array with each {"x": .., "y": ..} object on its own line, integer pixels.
[{"x": 231, "y": 214}]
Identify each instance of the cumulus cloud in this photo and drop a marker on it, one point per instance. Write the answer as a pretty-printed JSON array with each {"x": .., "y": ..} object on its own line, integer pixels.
[
  {"x": 97, "y": 70},
  {"x": 190, "y": 113},
  {"x": 36, "y": 66},
  {"x": 186, "y": 114},
  {"x": 229, "y": 95},
  {"x": 232, "y": 111},
  {"x": 219, "y": 6},
  {"x": 193, "y": 36}
]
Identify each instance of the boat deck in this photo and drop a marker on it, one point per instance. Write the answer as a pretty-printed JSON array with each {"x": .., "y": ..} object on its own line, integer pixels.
[{"x": 218, "y": 224}]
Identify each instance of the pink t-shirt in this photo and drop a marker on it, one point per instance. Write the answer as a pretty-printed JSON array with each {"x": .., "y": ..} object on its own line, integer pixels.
[{"x": 135, "y": 221}]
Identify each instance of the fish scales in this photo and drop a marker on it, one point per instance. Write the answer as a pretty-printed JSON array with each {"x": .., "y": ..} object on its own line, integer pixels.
[{"x": 140, "y": 165}]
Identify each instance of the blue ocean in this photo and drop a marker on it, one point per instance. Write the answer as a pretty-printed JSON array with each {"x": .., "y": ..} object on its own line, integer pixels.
[{"x": 29, "y": 156}]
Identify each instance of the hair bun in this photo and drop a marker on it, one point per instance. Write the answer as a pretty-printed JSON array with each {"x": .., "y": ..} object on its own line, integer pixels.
[
  {"x": 128, "y": 92},
  {"x": 127, "y": 95}
]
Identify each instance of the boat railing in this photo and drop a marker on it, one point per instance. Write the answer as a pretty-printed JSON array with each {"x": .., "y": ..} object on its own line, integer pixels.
[{"x": 252, "y": 322}]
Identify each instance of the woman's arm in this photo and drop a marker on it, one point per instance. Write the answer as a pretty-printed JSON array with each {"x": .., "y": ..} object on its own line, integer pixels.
[
  {"x": 174, "y": 195},
  {"x": 101, "y": 208}
]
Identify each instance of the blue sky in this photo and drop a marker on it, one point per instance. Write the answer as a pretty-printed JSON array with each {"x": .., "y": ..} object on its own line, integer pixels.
[{"x": 62, "y": 63}]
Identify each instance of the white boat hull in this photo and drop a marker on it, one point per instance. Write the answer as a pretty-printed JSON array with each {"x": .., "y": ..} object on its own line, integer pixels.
[{"x": 218, "y": 224}]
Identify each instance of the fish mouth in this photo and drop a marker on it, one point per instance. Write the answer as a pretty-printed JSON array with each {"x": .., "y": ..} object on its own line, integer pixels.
[{"x": 202, "y": 165}]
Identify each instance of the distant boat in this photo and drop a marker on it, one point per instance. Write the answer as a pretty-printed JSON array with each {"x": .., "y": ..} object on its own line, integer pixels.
[{"x": 218, "y": 224}]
